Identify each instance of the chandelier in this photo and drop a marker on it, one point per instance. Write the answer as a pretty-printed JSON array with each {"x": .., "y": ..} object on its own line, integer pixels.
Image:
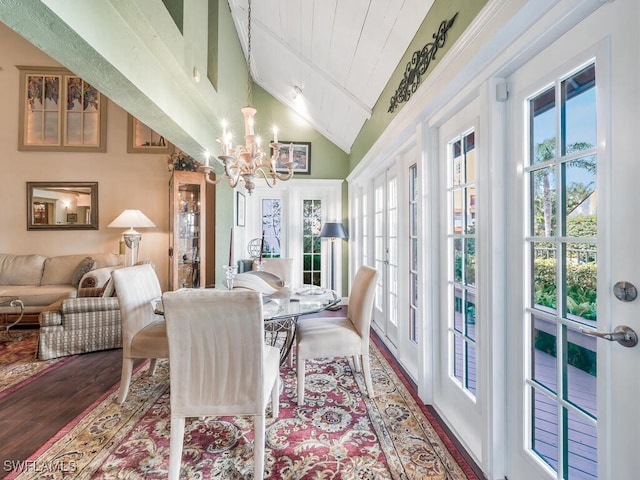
[{"x": 248, "y": 162}]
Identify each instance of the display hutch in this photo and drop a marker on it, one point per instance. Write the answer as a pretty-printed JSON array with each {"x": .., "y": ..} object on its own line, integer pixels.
[{"x": 187, "y": 224}]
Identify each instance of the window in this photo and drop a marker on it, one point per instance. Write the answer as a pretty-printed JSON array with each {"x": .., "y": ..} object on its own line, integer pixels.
[
  {"x": 462, "y": 260},
  {"x": 311, "y": 253},
  {"x": 272, "y": 227},
  {"x": 60, "y": 112},
  {"x": 413, "y": 253}
]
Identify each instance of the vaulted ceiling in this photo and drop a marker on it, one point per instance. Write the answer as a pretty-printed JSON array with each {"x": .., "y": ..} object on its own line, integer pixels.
[{"x": 339, "y": 53}]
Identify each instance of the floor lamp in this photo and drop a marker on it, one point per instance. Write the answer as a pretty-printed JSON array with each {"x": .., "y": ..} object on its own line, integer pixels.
[
  {"x": 132, "y": 219},
  {"x": 333, "y": 231}
]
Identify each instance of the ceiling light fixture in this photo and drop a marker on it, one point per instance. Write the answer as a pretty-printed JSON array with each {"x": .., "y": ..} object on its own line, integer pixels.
[
  {"x": 296, "y": 91},
  {"x": 248, "y": 161}
]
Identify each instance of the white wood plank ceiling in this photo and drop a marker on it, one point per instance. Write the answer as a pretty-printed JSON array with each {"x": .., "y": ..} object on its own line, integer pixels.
[{"x": 340, "y": 53}]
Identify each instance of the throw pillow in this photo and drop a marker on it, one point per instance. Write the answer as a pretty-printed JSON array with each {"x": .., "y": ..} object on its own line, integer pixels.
[{"x": 86, "y": 265}]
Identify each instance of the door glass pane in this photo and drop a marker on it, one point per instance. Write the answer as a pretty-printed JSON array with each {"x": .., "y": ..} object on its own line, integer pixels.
[
  {"x": 272, "y": 227},
  {"x": 544, "y": 368},
  {"x": 581, "y": 280},
  {"x": 471, "y": 367},
  {"x": 581, "y": 371},
  {"x": 544, "y": 421},
  {"x": 458, "y": 358},
  {"x": 580, "y": 110},
  {"x": 543, "y": 202},
  {"x": 580, "y": 197},
  {"x": 543, "y": 126},
  {"x": 458, "y": 307},
  {"x": 544, "y": 276},
  {"x": 470, "y": 158},
  {"x": 311, "y": 254},
  {"x": 470, "y": 261},
  {"x": 470, "y": 314},
  {"x": 582, "y": 438}
]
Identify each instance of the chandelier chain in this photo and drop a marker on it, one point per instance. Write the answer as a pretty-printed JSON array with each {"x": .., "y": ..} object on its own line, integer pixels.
[{"x": 249, "y": 92}]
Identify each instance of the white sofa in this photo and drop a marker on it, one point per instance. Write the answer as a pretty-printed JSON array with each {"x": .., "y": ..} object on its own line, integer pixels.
[{"x": 39, "y": 281}]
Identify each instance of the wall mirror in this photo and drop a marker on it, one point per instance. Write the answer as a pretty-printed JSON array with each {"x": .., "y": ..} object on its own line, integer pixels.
[{"x": 62, "y": 205}]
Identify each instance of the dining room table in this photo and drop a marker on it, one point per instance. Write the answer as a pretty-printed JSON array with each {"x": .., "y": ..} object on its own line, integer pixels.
[{"x": 281, "y": 311}]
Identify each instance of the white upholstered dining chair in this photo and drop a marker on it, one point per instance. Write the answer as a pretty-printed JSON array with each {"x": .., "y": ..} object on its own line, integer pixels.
[
  {"x": 282, "y": 267},
  {"x": 340, "y": 336},
  {"x": 219, "y": 364},
  {"x": 144, "y": 334}
]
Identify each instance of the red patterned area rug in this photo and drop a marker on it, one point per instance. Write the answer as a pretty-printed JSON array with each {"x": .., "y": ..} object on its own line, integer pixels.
[
  {"x": 339, "y": 434},
  {"x": 18, "y": 365}
]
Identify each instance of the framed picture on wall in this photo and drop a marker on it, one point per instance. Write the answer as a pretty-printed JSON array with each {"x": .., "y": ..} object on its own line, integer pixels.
[
  {"x": 241, "y": 209},
  {"x": 142, "y": 139},
  {"x": 72, "y": 218},
  {"x": 300, "y": 156}
]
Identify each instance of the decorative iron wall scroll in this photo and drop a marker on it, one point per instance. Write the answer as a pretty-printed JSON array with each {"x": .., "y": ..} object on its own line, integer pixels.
[{"x": 419, "y": 64}]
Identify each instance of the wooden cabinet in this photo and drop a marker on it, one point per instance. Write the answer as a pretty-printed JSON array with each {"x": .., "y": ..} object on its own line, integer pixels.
[{"x": 187, "y": 224}]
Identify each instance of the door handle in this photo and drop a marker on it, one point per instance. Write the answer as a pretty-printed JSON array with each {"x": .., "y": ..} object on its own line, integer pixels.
[{"x": 622, "y": 334}]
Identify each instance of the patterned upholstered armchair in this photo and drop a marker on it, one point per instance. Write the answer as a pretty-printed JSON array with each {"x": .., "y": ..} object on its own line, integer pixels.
[{"x": 88, "y": 323}]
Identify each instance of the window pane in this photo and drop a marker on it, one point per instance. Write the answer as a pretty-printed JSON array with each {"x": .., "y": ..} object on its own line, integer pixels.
[
  {"x": 580, "y": 110},
  {"x": 458, "y": 360},
  {"x": 471, "y": 367},
  {"x": 544, "y": 350},
  {"x": 470, "y": 158},
  {"x": 581, "y": 282},
  {"x": 457, "y": 211},
  {"x": 543, "y": 202},
  {"x": 457, "y": 163},
  {"x": 545, "y": 427},
  {"x": 582, "y": 439},
  {"x": 544, "y": 276},
  {"x": 470, "y": 199},
  {"x": 470, "y": 261},
  {"x": 543, "y": 126},
  {"x": 458, "y": 302},
  {"x": 457, "y": 260},
  {"x": 581, "y": 371},
  {"x": 580, "y": 197},
  {"x": 470, "y": 315}
]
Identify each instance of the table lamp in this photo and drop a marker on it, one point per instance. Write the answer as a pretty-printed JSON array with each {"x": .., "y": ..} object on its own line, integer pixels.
[
  {"x": 333, "y": 230},
  {"x": 131, "y": 219}
]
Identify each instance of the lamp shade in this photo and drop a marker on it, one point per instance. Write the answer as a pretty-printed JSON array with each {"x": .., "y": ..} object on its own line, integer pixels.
[
  {"x": 132, "y": 219},
  {"x": 333, "y": 230}
]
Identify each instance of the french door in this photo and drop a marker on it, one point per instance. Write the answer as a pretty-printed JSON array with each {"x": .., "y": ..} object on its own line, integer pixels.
[
  {"x": 385, "y": 252},
  {"x": 573, "y": 196},
  {"x": 457, "y": 394}
]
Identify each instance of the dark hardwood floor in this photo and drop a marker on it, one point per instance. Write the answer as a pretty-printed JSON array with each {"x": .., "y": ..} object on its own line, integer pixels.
[{"x": 34, "y": 413}]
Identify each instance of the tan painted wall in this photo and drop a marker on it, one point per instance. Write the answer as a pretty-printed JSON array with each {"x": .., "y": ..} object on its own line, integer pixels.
[{"x": 138, "y": 181}]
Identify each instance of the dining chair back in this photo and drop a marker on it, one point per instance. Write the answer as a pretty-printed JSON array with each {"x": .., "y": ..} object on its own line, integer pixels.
[
  {"x": 219, "y": 364},
  {"x": 282, "y": 267},
  {"x": 144, "y": 333},
  {"x": 340, "y": 336}
]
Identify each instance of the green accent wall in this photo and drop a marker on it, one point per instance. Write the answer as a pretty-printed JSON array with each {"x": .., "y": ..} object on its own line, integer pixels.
[
  {"x": 212, "y": 43},
  {"x": 380, "y": 118},
  {"x": 327, "y": 160}
]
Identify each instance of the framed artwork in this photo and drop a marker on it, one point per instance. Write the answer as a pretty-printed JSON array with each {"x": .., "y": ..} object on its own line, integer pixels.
[
  {"x": 301, "y": 157},
  {"x": 142, "y": 139},
  {"x": 59, "y": 111},
  {"x": 241, "y": 209},
  {"x": 72, "y": 218}
]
